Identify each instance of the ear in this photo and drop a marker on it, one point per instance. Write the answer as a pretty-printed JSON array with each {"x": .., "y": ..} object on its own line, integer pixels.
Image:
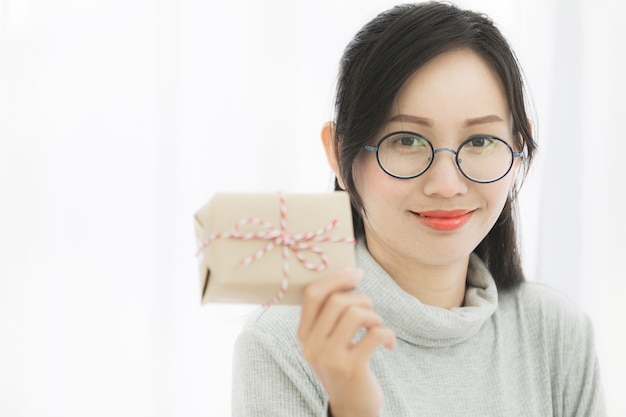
[
  {"x": 518, "y": 163},
  {"x": 328, "y": 141}
]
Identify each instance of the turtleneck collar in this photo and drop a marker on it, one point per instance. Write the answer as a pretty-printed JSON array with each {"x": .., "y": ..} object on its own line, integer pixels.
[{"x": 425, "y": 325}]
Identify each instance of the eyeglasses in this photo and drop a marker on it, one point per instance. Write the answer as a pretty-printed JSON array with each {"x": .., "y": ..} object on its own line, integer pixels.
[{"x": 480, "y": 158}]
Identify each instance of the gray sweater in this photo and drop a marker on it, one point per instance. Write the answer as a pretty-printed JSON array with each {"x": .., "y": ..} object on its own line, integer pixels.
[{"x": 524, "y": 352}]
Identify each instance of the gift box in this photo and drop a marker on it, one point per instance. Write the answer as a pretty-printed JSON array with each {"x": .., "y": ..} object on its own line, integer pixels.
[{"x": 264, "y": 248}]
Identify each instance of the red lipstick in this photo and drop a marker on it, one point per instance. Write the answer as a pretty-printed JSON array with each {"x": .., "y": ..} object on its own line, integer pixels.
[{"x": 445, "y": 220}]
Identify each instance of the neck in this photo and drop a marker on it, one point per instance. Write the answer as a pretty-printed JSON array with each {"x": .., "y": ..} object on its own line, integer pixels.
[{"x": 436, "y": 285}]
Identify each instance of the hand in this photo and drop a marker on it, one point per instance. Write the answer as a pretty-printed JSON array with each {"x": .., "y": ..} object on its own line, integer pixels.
[{"x": 331, "y": 317}]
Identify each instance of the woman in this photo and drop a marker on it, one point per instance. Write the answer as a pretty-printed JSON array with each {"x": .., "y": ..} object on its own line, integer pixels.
[{"x": 431, "y": 140}]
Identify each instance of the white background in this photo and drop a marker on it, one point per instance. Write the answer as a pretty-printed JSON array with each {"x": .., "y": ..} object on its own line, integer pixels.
[{"x": 120, "y": 118}]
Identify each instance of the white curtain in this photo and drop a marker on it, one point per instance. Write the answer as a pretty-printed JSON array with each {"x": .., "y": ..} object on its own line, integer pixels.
[{"x": 119, "y": 118}]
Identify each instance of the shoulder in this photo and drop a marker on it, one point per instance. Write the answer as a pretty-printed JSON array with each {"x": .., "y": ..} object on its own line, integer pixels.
[
  {"x": 545, "y": 312},
  {"x": 546, "y": 323},
  {"x": 271, "y": 330},
  {"x": 279, "y": 320},
  {"x": 267, "y": 347},
  {"x": 270, "y": 376},
  {"x": 541, "y": 299},
  {"x": 558, "y": 334}
]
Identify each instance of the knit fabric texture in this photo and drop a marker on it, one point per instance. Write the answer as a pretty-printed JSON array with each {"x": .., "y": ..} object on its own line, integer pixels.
[{"x": 523, "y": 352}]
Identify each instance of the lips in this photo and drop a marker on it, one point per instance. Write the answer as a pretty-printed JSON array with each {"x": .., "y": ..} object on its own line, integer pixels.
[{"x": 444, "y": 220}]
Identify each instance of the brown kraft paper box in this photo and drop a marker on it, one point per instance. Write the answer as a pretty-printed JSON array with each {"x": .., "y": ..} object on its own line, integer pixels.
[{"x": 250, "y": 244}]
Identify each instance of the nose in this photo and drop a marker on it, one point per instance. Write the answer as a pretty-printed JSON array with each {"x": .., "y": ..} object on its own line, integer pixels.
[{"x": 444, "y": 178}]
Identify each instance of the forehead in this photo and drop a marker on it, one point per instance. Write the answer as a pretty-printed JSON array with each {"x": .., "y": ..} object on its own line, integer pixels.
[{"x": 454, "y": 84}]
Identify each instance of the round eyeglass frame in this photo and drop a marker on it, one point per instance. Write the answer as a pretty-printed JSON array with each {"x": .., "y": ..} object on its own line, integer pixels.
[{"x": 436, "y": 151}]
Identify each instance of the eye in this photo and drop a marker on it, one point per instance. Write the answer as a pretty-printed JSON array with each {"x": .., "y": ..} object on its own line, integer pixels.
[
  {"x": 480, "y": 145},
  {"x": 480, "y": 142},
  {"x": 409, "y": 141}
]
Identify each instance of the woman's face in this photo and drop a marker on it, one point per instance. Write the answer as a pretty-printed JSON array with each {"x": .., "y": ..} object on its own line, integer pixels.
[{"x": 439, "y": 217}]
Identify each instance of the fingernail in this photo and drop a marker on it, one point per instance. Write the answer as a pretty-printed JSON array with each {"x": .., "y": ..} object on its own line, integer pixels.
[{"x": 354, "y": 273}]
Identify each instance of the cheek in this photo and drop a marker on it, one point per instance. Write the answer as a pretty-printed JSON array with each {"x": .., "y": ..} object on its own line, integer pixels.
[
  {"x": 372, "y": 184},
  {"x": 497, "y": 194}
]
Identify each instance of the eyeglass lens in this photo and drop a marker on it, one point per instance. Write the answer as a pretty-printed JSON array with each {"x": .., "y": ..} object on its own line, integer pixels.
[{"x": 480, "y": 158}]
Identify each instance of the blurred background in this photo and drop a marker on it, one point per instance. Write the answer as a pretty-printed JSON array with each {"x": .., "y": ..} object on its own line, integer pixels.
[{"x": 120, "y": 118}]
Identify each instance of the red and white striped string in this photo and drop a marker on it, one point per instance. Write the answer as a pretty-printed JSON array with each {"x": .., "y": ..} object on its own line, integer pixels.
[{"x": 298, "y": 243}]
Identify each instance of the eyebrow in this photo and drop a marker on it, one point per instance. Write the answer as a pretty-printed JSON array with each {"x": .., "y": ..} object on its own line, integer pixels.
[
  {"x": 412, "y": 119},
  {"x": 492, "y": 118}
]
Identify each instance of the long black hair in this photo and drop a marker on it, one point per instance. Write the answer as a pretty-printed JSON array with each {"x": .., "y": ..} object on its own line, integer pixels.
[{"x": 377, "y": 62}]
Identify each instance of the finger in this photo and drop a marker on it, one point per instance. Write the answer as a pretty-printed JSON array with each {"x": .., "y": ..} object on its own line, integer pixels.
[
  {"x": 374, "y": 337},
  {"x": 315, "y": 294},
  {"x": 352, "y": 320},
  {"x": 334, "y": 311}
]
